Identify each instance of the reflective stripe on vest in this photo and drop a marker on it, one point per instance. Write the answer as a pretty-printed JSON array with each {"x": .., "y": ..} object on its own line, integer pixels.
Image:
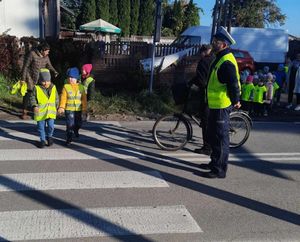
[
  {"x": 217, "y": 95},
  {"x": 87, "y": 82},
  {"x": 47, "y": 108},
  {"x": 74, "y": 99}
]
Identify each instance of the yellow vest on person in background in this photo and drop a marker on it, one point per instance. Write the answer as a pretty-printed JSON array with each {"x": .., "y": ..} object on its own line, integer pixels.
[
  {"x": 247, "y": 91},
  {"x": 259, "y": 94},
  {"x": 275, "y": 87},
  {"x": 87, "y": 82}
]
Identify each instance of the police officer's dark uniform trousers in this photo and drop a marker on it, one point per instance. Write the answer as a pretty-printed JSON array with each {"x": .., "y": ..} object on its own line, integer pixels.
[{"x": 223, "y": 90}]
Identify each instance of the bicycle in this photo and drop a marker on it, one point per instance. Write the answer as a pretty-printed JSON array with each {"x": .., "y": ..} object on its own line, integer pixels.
[{"x": 173, "y": 132}]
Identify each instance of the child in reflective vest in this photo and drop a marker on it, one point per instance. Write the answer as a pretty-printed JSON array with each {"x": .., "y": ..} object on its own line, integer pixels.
[
  {"x": 258, "y": 97},
  {"x": 73, "y": 103},
  {"x": 88, "y": 81},
  {"x": 44, "y": 100},
  {"x": 247, "y": 94}
]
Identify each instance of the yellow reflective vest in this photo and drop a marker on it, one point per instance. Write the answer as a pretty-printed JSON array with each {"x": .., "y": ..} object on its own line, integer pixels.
[
  {"x": 74, "y": 98},
  {"x": 217, "y": 95},
  {"x": 19, "y": 87},
  {"x": 247, "y": 91},
  {"x": 47, "y": 107},
  {"x": 259, "y": 94},
  {"x": 275, "y": 87},
  {"x": 87, "y": 82}
]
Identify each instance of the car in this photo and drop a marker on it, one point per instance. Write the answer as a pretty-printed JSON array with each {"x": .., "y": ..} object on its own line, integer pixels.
[{"x": 244, "y": 60}]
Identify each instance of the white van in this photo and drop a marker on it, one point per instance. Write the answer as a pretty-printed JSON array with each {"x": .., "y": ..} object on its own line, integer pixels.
[{"x": 265, "y": 45}]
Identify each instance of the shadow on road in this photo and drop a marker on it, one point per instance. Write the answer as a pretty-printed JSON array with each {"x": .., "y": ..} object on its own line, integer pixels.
[{"x": 131, "y": 136}]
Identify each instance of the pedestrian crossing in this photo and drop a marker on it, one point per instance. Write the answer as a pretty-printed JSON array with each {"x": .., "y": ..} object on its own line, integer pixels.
[
  {"x": 50, "y": 216},
  {"x": 75, "y": 221}
]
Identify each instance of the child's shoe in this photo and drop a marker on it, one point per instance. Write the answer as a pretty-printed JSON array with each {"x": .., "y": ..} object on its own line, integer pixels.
[
  {"x": 69, "y": 139},
  {"x": 42, "y": 144},
  {"x": 50, "y": 141}
]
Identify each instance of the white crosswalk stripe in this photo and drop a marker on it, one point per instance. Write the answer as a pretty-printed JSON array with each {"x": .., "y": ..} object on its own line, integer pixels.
[
  {"x": 66, "y": 154},
  {"x": 189, "y": 156},
  {"x": 70, "y": 223},
  {"x": 84, "y": 180},
  {"x": 79, "y": 222},
  {"x": 186, "y": 154}
]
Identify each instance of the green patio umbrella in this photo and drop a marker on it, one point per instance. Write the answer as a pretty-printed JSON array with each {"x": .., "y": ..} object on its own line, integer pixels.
[{"x": 101, "y": 26}]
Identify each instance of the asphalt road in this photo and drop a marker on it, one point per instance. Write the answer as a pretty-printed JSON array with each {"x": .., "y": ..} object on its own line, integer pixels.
[{"x": 114, "y": 184}]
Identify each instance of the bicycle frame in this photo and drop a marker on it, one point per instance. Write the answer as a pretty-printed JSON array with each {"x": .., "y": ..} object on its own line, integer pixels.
[{"x": 187, "y": 116}]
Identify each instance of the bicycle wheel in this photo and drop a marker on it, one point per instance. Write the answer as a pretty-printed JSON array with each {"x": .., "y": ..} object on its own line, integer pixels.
[
  {"x": 239, "y": 129},
  {"x": 246, "y": 115},
  {"x": 171, "y": 132}
]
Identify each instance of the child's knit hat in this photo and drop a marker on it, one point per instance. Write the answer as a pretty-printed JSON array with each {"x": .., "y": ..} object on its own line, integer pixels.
[
  {"x": 73, "y": 72},
  {"x": 87, "y": 68},
  {"x": 249, "y": 79},
  {"x": 44, "y": 75}
]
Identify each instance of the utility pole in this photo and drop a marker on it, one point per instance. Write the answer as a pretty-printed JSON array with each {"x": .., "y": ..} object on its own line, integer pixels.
[
  {"x": 217, "y": 16},
  {"x": 230, "y": 6},
  {"x": 222, "y": 15},
  {"x": 156, "y": 38}
]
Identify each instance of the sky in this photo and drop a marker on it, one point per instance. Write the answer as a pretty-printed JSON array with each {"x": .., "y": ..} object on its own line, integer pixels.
[{"x": 288, "y": 7}]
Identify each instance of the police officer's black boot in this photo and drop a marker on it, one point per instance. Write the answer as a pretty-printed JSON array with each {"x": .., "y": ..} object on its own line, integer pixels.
[{"x": 204, "y": 150}]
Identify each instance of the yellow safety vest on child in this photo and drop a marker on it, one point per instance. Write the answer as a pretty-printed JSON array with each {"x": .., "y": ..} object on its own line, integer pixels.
[
  {"x": 87, "y": 82},
  {"x": 259, "y": 94},
  {"x": 73, "y": 102},
  {"x": 47, "y": 107},
  {"x": 247, "y": 91}
]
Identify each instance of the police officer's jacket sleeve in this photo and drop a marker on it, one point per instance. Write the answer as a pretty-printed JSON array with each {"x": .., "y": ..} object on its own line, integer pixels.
[{"x": 227, "y": 75}]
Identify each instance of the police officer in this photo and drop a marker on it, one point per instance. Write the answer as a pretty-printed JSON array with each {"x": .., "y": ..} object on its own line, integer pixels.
[{"x": 223, "y": 93}]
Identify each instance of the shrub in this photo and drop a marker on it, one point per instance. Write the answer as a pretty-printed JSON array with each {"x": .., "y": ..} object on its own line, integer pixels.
[{"x": 9, "y": 52}]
